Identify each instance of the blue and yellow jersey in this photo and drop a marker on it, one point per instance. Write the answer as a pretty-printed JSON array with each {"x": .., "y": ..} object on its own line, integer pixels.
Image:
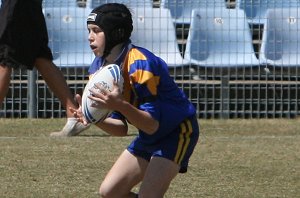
[{"x": 149, "y": 87}]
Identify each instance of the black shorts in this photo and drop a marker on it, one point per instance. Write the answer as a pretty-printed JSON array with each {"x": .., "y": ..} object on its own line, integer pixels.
[{"x": 23, "y": 33}]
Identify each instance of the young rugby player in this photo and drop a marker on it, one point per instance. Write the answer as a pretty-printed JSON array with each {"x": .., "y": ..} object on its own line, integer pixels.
[{"x": 168, "y": 130}]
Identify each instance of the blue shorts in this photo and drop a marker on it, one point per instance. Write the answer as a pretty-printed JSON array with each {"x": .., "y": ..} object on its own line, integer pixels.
[{"x": 177, "y": 146}]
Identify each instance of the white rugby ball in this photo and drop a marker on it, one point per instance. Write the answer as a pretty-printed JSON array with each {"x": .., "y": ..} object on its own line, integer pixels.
[{"x": 105, "y": 76}]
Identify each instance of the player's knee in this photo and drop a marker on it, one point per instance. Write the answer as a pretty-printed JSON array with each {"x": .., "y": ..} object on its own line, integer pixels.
[
  {"x": 106, "y": 191},
  {"x": 103, "y": 192}
]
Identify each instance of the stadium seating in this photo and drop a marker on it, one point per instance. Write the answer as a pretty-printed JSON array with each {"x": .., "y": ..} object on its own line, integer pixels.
[
  {"x": 153, "y": 28},
  {"x": 181, "y": 10},
  {"x": 129, "y": 3},
  {"x": 95, "y": 3},
  {"x": 281, "y": 38},
  {"x": 220, "y": 39},
  {"x": 68, "y": 35},
  {"x": 59, "y": 3},
  {"x": 256, "y": 9}
]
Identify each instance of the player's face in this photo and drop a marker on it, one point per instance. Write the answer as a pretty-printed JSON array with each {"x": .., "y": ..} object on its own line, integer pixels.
[{"x": 96, "y": 39}]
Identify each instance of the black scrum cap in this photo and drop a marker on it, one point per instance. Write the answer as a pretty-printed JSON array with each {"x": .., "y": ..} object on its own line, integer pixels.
[{"x": 116, "y": 22}]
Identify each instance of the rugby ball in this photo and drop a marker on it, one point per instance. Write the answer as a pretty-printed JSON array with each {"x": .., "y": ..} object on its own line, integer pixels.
[{"x": 105, "y": 76}]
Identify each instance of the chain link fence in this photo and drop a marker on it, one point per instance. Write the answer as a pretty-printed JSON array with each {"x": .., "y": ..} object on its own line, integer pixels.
[{"x": 259, "y": 90}]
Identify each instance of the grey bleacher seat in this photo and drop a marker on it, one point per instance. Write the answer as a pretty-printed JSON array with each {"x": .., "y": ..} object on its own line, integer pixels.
[
  {"x": 68, "y": 35},
  {"x": 181, "y": 10},
  {"x": 220, "y": 39},
  {"x": 59, "y": 3},
  {"x": 129, "y": 3},
  {"x": 256, "y": 9},
  {"x": 153, "y": 28},
  {"x": 281, "y": 38}
]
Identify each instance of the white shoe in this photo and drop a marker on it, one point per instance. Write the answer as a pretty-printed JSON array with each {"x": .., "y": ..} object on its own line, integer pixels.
[{"x": 71, "y": 128}]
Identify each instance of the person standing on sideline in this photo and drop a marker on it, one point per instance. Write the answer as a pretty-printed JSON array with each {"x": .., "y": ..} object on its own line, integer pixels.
[
  {"x": 168, "y": 129},
  {"x": 24, "y": 43}
]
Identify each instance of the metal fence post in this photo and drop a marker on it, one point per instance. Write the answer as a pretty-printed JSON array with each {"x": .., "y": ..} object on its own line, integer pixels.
[
  {"x": 31, "y": 94},
  {"x": 225, "y": 95}
]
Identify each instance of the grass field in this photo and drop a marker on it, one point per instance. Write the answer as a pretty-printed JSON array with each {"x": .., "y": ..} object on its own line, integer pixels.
[{"x": 234, "y": 158}]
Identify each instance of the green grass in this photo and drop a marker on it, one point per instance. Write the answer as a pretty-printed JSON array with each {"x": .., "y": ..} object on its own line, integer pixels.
[{"x": 234, "y": 158}]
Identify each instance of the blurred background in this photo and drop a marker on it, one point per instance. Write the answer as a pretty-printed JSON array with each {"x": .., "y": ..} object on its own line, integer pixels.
[{"x": 233, "y": 58}]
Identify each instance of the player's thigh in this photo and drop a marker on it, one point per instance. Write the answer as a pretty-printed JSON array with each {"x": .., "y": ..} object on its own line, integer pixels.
[
  {"x": 158, "y": 176},
  {"x": 127, "y": 172}
]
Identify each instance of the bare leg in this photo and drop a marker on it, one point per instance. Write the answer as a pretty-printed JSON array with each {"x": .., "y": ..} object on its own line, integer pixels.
[
  {"x": 5, "y": 73},
  {"x": 127, "y": 172},
  {"x": 57, "y": 83},
  {"x": 159, "y": 174}
]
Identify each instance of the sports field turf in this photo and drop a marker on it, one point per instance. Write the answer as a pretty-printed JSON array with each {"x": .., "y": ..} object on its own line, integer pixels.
[{"x": 234, "y": 158}]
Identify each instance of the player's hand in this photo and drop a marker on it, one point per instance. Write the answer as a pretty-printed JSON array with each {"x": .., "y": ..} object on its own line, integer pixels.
[
  {"x": 78, "y": 112},
  {"x": 106, "y": 99}
]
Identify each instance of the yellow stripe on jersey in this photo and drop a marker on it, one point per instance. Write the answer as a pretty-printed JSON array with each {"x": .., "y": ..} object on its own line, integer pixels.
[
  {"x": 142, "y": 76},
  {"x": 135, "y": 55},
  {"x": 184, "y": 140}
]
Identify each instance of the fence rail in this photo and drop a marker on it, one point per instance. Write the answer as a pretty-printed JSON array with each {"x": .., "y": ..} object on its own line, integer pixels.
[{"x": 220, "y": 96}]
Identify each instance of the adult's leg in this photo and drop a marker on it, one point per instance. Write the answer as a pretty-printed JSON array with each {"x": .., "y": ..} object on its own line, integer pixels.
[
  {"x": 127, "y": 172},
  {"x": 158, "y": 176},
  {"x": 58, "y": 85},
  {"x": 5, "y": 71},
  {"x": 24, "y": 40},
  {"x": 5, "y": 75}
]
